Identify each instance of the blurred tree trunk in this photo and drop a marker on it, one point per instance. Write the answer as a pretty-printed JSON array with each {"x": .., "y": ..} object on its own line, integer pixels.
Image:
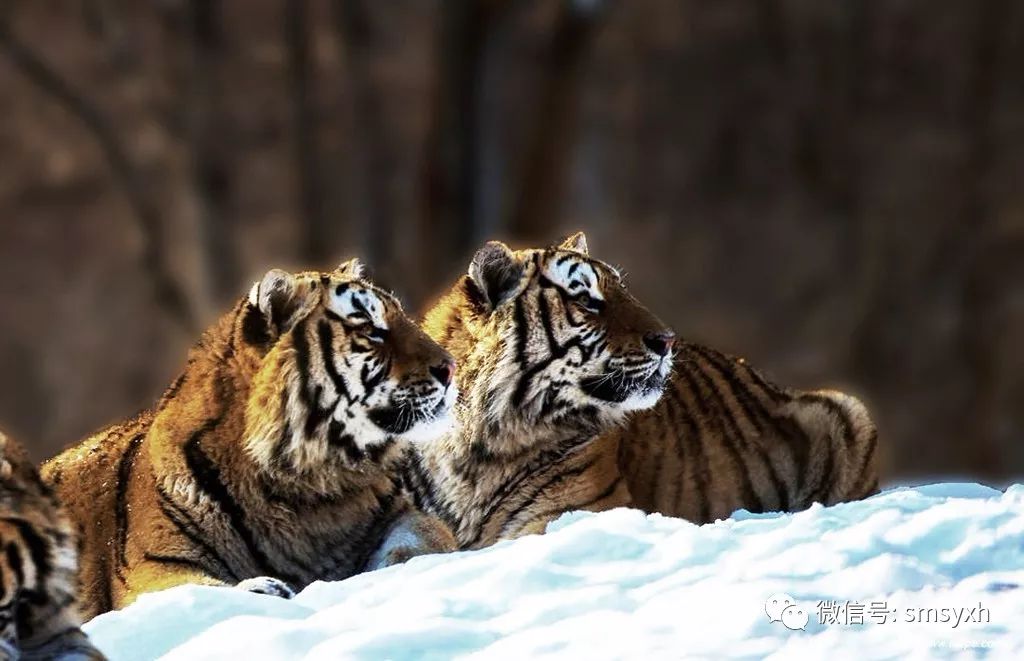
[
  {"x": 208, "y": 146},
  {"x": 316, "y": 234},
  {"x": 169, "y": 294},
  {"x": 355, "y": 36},
  {"x": 980, "y": 340},
  {"x": 451, "y": 164},
  {"x": 544, "y": 170}
]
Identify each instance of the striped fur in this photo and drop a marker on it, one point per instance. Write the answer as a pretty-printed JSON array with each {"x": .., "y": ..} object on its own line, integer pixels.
[
  {"x": 270, "y": 462},
  {"x": 550, "y": 352},
  {"x": 724, "y": 438},
  {"x": 38, "y": 557}
]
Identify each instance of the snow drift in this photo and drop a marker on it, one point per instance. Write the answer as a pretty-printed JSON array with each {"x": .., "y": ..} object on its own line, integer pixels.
[{"x": 934, "y": 571}]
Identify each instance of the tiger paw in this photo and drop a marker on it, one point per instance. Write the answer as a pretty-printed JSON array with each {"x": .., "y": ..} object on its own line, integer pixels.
[{"x": 267, "y": 585}]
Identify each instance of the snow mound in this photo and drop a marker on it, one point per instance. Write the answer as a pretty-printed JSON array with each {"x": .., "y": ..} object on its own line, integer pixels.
[{"x": 925, "y": 572}]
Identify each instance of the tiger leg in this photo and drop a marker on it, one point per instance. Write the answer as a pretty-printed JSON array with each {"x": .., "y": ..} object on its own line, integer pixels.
[{"x": 414, "y": 533}]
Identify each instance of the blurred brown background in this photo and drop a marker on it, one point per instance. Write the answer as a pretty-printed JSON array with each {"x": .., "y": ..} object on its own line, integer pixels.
[{"x": 831, "y": 189}]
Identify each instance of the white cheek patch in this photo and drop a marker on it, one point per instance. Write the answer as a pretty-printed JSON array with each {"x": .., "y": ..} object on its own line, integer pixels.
[
  {"x": 254, "y": 294},
  {"x": 359, "y": 305},
  {"x": 574, "y": 275}
]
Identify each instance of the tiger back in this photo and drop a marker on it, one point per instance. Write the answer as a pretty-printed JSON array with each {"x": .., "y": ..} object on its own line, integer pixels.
[
  {"x": 38, "y": 583},
  {"x": 271, "y": 461},
  {"x": 723, "y": 438}
]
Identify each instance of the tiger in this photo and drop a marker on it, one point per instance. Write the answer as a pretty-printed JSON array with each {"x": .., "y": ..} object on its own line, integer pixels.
[
  {"x": 39, "y": 618},
  {"x": 551, "y": 351},
  {"x": 271, "y": 461}
]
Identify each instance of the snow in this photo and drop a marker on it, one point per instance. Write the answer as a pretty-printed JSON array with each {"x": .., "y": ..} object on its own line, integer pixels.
[{"x": 622, "y": 584}]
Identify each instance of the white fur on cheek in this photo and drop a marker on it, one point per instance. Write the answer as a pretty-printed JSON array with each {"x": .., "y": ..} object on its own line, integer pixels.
[
  {"x": 574, "y": 275},
  {"x": 351, "y": 303},
  {"x": 640, "y": 402},
  {"x": 430, "y": 430}
]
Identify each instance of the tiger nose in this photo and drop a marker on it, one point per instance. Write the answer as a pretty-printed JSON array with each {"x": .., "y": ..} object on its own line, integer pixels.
[
  {"x": 660, "y": 343},
  {"x": 444, "y": 372}
]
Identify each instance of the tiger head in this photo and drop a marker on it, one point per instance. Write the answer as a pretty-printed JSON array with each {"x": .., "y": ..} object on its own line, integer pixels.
[
  {"x": 550, "y": 339},
  {"x": 342, "y": 373}
]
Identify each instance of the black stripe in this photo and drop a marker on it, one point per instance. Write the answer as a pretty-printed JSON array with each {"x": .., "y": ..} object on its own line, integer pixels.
[
  {"x": 739, "y": 390},
  {"x": 255, "y": 329},
  {"x": 376, "y": 451},
  {"x": 826, "y": 483},
  {"x": 124, "y": 472},
  {"x": 799, "y": 443},
  {"x": 383, "y": 518},
  {"x": 834, "y": 408},
  {"x": 371, "y": 381},
  {"x": 420, "y": 483},
  {"x": 733, "y": 437},
  {"x": 309, "y": 400},
  {"x": 279, "y": 455},
  {"x": 609, "y": 490},
  {"x": 531, "y": 499},
  {"x": 752, "y": 411},
  {"x": 337, "y": 437},
  {"x": 326, "y": 336},
  {"x": 38, "y": 548},
  {"x": 513, "y": 482},
  {"x": 862, "y": 474},
  {"x": 14, "y": 561},
  {"x": 187, "y": 526},
  {"x": 748, "y": 495},
  {"x": 177, "y": 560},
  {"x": 557, "y": 352},
  {"x": 702, "y": 471},
  {"x": 207, "y": 477}
]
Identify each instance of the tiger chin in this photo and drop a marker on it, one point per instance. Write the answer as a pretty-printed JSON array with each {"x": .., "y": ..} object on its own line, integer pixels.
[
  {"x": 272, "y": 460},
  {"x": 39, "y": 618},
  {"x": 552, "y": 350}
]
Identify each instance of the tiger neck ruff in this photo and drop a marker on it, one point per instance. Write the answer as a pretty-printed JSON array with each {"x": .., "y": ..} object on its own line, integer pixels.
[
  {"x": 271, "y": 461},
  {"x": 551, "y": 350}
]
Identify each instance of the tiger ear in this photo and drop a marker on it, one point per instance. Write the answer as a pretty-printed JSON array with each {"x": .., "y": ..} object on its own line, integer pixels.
[
  {"x": 576, "y": 242},
  {"x": 496, "y": 272},
  {"x": 353, "y": 268},
  {"x": 275, "y": 302}
]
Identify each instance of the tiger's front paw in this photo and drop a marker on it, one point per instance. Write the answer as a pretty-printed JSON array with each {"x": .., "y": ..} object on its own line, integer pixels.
[{"x": 267, "y": 585}]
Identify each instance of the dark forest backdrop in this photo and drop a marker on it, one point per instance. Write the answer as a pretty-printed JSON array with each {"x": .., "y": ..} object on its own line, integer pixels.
[{"x": 832, "y": 189}]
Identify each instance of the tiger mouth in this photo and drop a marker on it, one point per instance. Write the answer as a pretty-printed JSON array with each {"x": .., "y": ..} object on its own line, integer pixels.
[
  {"x": 399, "y": 418},
  {"x": 617, "y": 387}
]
